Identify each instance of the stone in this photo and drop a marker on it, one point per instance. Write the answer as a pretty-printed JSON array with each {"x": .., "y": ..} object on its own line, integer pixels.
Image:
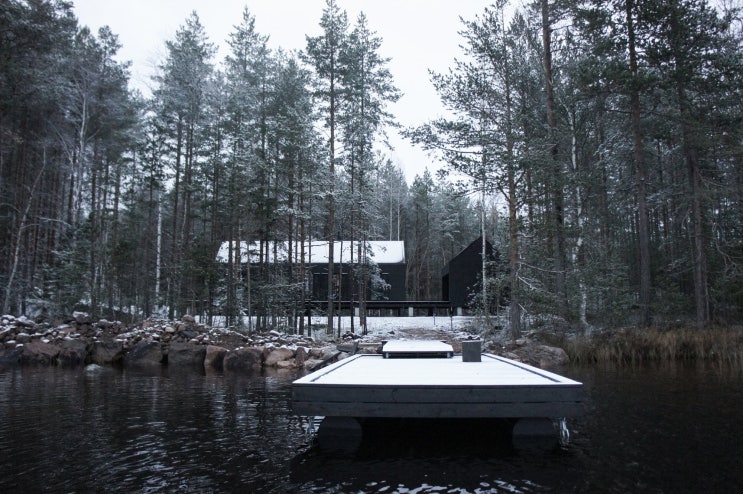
[
  {"x": 550, "y": 356},
  {"x": 214, "y": 357},
  {"x": 188, "y": 318},
  {"x": 287, "y": 364},
  {"x": 186, "y": 334},
  {"x": 542, "y": 356},
  {"x": 278, "y": 355},
  {"x": 107, "y": 352},
  {"x": 243, "y": 360},
  {"x": 72, "y": 353},
  {"x": 313, "y": 364},
  {"x": 300, "y": 356},
  {"x": 81, "y": 317},
  {"x": 24, "y": 322},
  {"x": 186, "y": 355},
  {"x": 144, "y": 354},
  {"x": 10, "y": 357},
  {"x": 38, "y": 353}
]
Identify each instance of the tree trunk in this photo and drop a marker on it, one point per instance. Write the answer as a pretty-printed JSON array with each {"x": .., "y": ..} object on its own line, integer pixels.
[
  {"x": 557, "y": 202},
  {"x": 643, "y": 230}
]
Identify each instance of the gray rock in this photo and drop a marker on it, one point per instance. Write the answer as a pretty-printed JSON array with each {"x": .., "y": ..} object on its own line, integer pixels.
[
  {"x": 186, "y": 355},
  {"x": 301, "y": 356},
  {"x": 107, "y": 352},
  {"x": 243, "y": 360},
  {"x": 214, "y": 358},
  {"x": 278, "y": 355},
  {"x": 81, "y": 317},
  {"x": 38, "y": 353},
  {"x": 542, "y": 356},
  {"x": 144, "y": 354},
  {"x": 10, "y": 357},
  {"x": 72, "y": 353}
]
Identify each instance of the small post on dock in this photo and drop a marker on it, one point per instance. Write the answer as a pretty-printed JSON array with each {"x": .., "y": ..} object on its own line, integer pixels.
[{"x": 471, "y": 351}]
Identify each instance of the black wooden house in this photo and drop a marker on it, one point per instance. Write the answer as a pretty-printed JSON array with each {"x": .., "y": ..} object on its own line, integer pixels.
[
  {"x": 386, "y": 260},
  {"x": 461, "y": 277}
]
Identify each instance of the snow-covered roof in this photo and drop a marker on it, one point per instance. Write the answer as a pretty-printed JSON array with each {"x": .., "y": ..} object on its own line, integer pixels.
[{"x": 316, "y": 251}]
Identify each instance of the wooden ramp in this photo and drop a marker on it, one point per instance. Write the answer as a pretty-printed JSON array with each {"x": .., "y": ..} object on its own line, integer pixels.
[{"x": 374, "y": 386}]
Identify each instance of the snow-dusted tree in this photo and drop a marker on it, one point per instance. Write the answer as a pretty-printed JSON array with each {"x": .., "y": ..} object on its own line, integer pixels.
[
  {"x": 181, "y": 95},
  {"x": 368, "y": 90},
  {"x": 247, "y": 73},
  {"x": 325, "y": 54}
]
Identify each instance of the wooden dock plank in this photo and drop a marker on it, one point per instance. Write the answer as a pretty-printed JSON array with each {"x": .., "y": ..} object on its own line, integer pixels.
[
  {"x": 440, "y": 410},
  {"x": 371, "y": 386}
]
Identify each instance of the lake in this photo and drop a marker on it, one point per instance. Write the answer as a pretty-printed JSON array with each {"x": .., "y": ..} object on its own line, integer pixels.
[{"x": 672, "y": 428}]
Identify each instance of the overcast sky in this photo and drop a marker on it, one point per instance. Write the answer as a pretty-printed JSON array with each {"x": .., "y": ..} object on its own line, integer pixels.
[{"x": 417, "y": 35}]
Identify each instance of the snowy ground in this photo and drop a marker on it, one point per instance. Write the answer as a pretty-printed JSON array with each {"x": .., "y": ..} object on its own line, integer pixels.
[
  {"x": 380, "y": 325},
  {"x": 400, "y": 327},
  {"x": 395, "y": 327}
]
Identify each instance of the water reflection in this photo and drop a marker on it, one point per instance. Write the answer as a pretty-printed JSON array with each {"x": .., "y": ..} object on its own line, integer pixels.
[{"x": 650, "y": 429}]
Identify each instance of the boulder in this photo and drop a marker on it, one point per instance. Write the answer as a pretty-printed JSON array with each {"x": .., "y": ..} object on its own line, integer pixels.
[
  {"x": 214, "y": 357},
  {"x": 550, "y": 356},
  {"x": 243, "y": 360},
  {"x": 106, "y": 352},
  {"x": 11, "y": 356},
  {"x": 81, "y": 317},
  {"x": 186, "y": 355},
  {"x": 144, "y": 354},
  {"x": 72, "y": 353},
  {"x": 287, "y": 364},
  {"x": 278, "y": 355},
  {"x": 542, "y": 356},
  {"x": 300, "y": 356},
  {"x": 313, "y": 364},
  {"x": 39, "y": 353},
  {"x": 24, "y": 322}
]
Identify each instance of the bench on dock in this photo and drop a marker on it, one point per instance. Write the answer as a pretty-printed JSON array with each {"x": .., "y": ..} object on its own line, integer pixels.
[{"x": 417, "y": 349}]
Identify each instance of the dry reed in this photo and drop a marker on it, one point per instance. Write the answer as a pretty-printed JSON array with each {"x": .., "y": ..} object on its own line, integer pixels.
[{"x": 636, "y": 346}]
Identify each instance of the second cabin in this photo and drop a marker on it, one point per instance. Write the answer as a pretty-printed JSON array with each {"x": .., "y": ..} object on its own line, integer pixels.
[{"x": 385, "y": 261}]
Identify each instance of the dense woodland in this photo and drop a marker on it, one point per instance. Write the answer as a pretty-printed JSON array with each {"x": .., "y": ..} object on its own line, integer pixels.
[{"x": 598, "y": 144}]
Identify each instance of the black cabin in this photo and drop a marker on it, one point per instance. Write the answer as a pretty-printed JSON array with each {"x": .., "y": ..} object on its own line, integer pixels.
[{"x": 461, "y": 277}]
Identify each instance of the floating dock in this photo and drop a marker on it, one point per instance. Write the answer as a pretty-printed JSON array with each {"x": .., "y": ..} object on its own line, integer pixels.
[{"x": 425, "y": 379}]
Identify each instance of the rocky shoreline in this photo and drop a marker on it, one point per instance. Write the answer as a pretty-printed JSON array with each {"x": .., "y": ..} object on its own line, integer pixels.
[{"x": 155, "y": 343}]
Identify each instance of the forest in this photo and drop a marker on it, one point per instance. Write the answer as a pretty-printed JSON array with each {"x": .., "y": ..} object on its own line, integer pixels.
[{"x": 598, "y": 144}]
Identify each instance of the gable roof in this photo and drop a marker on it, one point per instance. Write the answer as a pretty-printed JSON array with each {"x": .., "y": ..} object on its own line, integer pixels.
[{"x": 316, "y": 251}]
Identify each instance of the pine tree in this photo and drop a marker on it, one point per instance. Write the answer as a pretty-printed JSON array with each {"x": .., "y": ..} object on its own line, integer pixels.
[
  {"x": 181, "y": 92},
  {"x": 325, "y": 54}
]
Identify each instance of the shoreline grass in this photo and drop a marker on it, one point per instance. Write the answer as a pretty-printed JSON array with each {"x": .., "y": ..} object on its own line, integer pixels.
[{"x": 635, "y": 346}]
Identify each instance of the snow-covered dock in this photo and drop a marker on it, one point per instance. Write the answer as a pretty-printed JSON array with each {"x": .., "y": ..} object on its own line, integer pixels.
[{"x": 364, "y": 386}]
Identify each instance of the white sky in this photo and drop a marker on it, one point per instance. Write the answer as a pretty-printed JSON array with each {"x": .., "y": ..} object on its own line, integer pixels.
[{"x": 417, "y": 35}]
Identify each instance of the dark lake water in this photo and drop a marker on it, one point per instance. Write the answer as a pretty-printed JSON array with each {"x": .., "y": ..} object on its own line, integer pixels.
[{"x": 651, "y": 429}]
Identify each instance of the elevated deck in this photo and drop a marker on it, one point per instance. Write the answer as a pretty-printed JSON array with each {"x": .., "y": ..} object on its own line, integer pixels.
[{"x": 364, "y": 386}]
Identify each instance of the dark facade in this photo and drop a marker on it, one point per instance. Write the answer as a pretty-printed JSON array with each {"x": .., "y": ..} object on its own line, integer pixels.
[
  {"x": 461, "y": 277},
  {"x": 387, "y": 265},
  {"x": 391, "y": 285}
]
